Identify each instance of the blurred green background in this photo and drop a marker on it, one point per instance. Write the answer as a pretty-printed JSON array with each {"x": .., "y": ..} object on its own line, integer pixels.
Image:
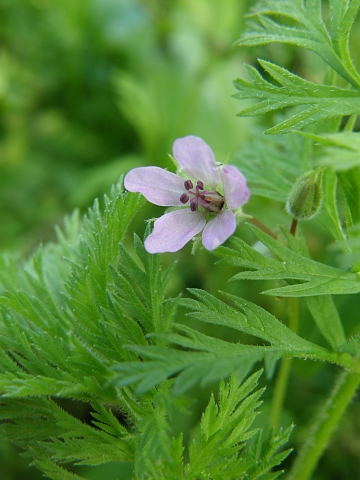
[{"x": 92, "y": 88}]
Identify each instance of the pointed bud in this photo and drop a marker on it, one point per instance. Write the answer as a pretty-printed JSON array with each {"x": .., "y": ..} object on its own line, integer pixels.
[{"x": 306, "y": 195}]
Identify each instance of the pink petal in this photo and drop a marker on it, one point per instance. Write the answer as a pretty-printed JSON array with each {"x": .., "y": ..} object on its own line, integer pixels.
[
  {"x": 196, "y": 159},
  {"x": 218, "y": 230},
  {"x": 235, "y": 187},
  {"x": 157, "y": 185},
  {"x": 173, "y": 230}
]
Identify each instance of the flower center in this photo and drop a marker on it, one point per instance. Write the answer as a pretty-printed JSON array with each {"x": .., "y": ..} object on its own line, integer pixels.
[{"x": 210, "y": 201}]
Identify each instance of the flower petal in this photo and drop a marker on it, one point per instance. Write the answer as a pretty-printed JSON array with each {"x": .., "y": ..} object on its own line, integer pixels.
[
  {"x": 173, "y": 230},
  {"x": 196, "y": 159},
  {"x": 235, "y": 187},
  {"x": 157, "y": 185},
  {"x": 218, "y": 230}
]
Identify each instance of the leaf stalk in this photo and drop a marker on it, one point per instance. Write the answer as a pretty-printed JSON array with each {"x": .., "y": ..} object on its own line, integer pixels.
[{"x": 324, "y": 425}]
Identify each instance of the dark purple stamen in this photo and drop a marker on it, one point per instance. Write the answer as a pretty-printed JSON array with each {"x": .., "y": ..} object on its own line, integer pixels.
[
  {"x": 184, "y": 198},
  {"x": 194, "y": 204},
  {"x": 209, "y": 201},
  {"x": 188, "y": 184}
]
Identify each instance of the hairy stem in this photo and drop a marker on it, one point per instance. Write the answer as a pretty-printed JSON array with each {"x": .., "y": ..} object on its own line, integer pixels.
[
  {"x": 324, "y": 425},
  {"x": 279, "y": 392}
]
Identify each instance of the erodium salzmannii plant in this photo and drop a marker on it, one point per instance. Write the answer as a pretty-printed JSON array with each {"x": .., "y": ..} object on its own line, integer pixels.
[
  {"x": 201, "y": 190},
  {"x": 90, "y": 318}
]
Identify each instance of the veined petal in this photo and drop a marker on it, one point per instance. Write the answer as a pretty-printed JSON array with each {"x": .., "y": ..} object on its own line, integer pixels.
[
  {"x": 196, "y": 159},
  {"x": 218, "y": 230},
  {"x": 173, "y": 230},
  {"x": 157, "y": 185},
  {"x": 235, "y": 187}
]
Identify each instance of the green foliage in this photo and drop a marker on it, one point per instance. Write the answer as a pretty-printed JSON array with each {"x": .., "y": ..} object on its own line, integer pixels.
[
  {"x": 62, "y": 329},
  {"x": 221, "y": 447},
  {"x": 67, "y": 316},
  {"x": 206, "y": 359},
  {"x": 307, "y": 30},
  {"x": 321, "y": 101},
  {"x": 95, "y": 355},
  {"x": 310, "y": 277},
  {"x": 224, "y": 427}
]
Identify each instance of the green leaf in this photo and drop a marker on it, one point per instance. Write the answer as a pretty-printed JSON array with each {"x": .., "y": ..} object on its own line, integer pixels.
[
  {"x": 326, "y": 317},
  {"x": 321, "y": 101},
  {"x": 54, "y": 471},
  {"x": 308, "y": 277},
  {"x": 64, "y": 323},
  {"x": 308, "y": 30},
  {"x": 247, "y": 318},
  {"x": 225, "y": 426},
  {"x": 350, "y": 183},
  {"x": 205, "y": 359},
  {"x": 261, "y": 453},
  {"x": 332, "y": 223},
  {"x": 155, "y": 442}
]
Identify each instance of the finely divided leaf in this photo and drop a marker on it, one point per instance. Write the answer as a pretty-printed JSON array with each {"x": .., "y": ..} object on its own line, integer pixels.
[
  {"x": 308, "y": 30},
  {"x": 320, "y": 101},
  {"x": 307, "y": 276},
  {"x": 64, "y": 323},
  {"x": 247, "y": 318}
]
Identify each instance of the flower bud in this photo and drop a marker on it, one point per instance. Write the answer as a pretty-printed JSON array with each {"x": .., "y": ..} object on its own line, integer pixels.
[{"x": 304, "y": 200}]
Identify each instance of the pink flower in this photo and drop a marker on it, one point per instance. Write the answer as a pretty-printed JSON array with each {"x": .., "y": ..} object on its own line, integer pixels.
[{"x": 204, "y": 192}]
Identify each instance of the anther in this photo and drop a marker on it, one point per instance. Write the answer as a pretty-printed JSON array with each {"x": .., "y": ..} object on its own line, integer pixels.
[
  {"x": 200, "y": 185},
  {"x": 188, "y": 184},
  {"x": 193, "y": 205},
  {"x": 184, "y": 198}
]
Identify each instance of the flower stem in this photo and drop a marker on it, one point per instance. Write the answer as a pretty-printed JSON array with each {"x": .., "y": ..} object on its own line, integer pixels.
[
  {"x": 293, "y": 227},
  {"x": 285, "y": 367},
  {"x": 262, "y": 227},
  {"x": 325, "y": 423}
]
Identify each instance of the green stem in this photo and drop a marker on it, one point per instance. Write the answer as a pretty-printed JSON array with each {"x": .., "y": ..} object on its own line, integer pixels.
[
  {"x": 326, "y": 421},
  {"x": 285, "y": 367},
  {"x": 279, "y": 392}
]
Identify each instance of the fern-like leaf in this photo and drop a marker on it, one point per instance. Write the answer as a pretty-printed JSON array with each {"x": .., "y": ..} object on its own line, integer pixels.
[
  {"x": 320, "y": 101},
  {"x": 225, "y": 428},
  {"x": 309, "y": 31}
]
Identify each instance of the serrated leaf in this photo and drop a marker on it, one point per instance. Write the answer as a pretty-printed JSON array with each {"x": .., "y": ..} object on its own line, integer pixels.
[
  {"x": 310, "y": 277},
  {"x": 224, "y": 428},
  {"x": 320, "y": 101},
  {"x": 246, "y": 317},
  {"x": 207, "y": 359},
  {"x": 64, "y": 324},
  {"x": 308, "y": 30}
]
